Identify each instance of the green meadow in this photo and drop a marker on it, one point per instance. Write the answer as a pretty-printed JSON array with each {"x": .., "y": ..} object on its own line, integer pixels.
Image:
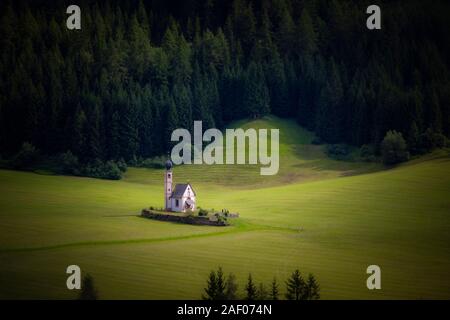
[{"x": 326, "y": 217}]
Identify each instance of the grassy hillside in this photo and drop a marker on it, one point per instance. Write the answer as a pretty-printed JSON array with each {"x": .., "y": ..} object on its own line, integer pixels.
[
  {"x": 323, "y": 216},
  {"x": 300, "y": 161}
]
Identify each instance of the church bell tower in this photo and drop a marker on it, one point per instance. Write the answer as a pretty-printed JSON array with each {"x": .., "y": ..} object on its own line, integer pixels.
[{"x": 168, "y": 185}]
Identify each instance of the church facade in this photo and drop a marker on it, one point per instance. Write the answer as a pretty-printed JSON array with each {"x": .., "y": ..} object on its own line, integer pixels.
[{"x": 180, "y": 198}]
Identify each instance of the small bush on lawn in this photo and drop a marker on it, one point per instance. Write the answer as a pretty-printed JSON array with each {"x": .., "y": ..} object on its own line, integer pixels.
[
  {"x": 367, "y": 153},
  {"x": 202, "y": 212},
  {"x": 430, "y": 140},
  {"x": 122, "y": 165},
  {"x": 107, "y": 170},
  {"x": 152, "y": 163},
  {"x": 69, "y": 163},
  {"x": 112, "y": 171},
  {"x": 393, "y": 148},
  {"x": 27, "y": 156},
  {"x": 339, "y": 151},
  {"x": 221, "y": 218}
]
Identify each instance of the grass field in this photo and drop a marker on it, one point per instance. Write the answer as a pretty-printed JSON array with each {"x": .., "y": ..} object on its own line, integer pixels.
[{"x": 323, "y": 216}]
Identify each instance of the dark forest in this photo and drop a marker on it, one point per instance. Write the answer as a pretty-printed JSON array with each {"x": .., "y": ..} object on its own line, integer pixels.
[{"x": 139, "y": 69}]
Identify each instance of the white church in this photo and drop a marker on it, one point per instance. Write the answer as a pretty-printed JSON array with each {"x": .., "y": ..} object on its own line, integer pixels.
[{"x": 178, "y": 199}]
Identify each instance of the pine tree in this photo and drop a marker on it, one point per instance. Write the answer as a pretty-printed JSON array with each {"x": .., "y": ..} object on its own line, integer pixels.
[
  {"x": 265, "y": 34},
  {"x": 172, "y": 119},
  {"x": 413, "y": 139},
  {"x": 88, "y": 290},
  {"x": 356, "y": 126},
  {"x": 145, "y": 124},
  {"x": 139, "y": 50},
  {"x": 286, "y": 33},
  {"x": 434, "y": 114},
  {"x": 178, "y": 54},
  {"x": 221, "y": 285},
  {"x": 114, "y": 136},
  {"x": 231, "y": 288},
  {"x": 143, "y": 19},
  {"x": 159, "y": 66},
  {"x": 329, "y": 116},
  {"x": 250, "y": 289},
  {"x": 274, "y": 290},
  {"x": 93, "y": 131},
  {"x": 244, "y": 24},
  {"x": 312, "y": 288},
  {"x": 256, "y": 100},
  {"x": 128, "y": 133},
  {"x": 295, "y": 287},
  {"x": 211, "y": 287},
  {"x": 277, "y": 83},
  {"x": 261, "y": 292},
  {"x": 79, "y": 136},
  {"x": 307, "y": 34}
]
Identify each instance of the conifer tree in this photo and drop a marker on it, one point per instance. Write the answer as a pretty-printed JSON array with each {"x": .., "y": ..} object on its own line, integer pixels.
[
  {"x": 307, "y": 34},
  {"x": 221, "y": 285},
  {"x": 274, "y": 293},
  {"x": 295, "y": 287},
  {"x": 114, "y": 136},
  {"x": 88, "y": 290},
  {"x": 250, "y": 289},
  {"x": 172, "y": 119},
  {"x": 231, "y": 287},
  {"x": 261, "y": 292},
  {"x": 79, "y": 133},
  {"x": 278, "y": 85},
  {"x": 256, "y": 98},
  {"x": 312, "y": 288},
  {"x": 211, "y": 287}
]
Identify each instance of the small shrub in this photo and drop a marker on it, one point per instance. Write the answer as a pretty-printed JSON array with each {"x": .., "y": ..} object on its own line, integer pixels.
[
  {"x": 338, "y": 151},
  {"x": 367, "y": 153},
  {"x": 430, "y": 140},
  {"x": 440, "y": 141},
  {"x": 98, "y": 169},
  {"x": 133, "y": 162},
  {"x": 122, "y": 165},
  {"x": 393, "y": 148},
  {"x": 111, "y": 171},
  {"x": 69, "y": 163},
  {"x": 27, "y": 156},
  {"x": 153, "y": 163},
  {"x": 202, "y": 212},
  {"x": 220, "y": 218}
]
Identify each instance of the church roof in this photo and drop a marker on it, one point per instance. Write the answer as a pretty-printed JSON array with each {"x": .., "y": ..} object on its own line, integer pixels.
[{"x": 180, "y": 189}]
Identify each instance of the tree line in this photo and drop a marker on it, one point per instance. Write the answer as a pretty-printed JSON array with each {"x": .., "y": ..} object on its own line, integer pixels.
[
  {"x": 137, "y": 70},
  {"x": 219, "y": 287}
]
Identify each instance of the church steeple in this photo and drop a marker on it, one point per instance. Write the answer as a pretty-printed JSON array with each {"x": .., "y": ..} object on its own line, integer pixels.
[{"x": 168, "y": 185}]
